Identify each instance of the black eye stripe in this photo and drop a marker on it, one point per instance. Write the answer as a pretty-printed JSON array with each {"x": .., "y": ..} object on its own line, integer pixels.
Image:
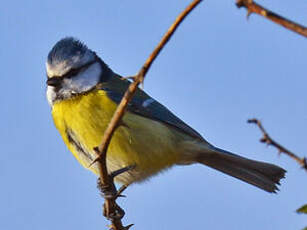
[{"x": 74, "y": 72}]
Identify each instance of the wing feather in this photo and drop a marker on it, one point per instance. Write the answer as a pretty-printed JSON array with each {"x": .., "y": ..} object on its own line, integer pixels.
[{"x": 144, "y": 105}]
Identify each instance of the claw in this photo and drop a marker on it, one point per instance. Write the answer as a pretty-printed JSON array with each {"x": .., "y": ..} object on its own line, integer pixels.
[
  {"x": 106, "y": 192},
  {"x": 121, "y": 190},
  {"x": 118, "y": 213}
]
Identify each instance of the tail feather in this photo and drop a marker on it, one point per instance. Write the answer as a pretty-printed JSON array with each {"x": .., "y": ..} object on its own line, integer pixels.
[{"x": 262, "y": 175}]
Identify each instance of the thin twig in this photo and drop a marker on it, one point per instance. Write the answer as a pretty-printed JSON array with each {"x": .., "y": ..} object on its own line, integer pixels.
[
  {"x": 253, "y": 7},
  {"x": 110, "y": 204},
  {"x": 268, "y": 140}
]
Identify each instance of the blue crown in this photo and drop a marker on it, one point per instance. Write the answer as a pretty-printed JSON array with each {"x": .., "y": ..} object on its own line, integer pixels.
[{"x": 66, "y": 49}]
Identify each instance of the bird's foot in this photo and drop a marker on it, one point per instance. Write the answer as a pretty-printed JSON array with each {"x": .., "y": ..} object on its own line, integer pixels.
[
  {"x": 109, "y": 191},
  {"x": 111, "y": 210}
]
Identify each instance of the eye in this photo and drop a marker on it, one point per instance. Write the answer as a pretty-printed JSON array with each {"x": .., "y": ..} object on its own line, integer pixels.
[{"x": 54, "y": 81}]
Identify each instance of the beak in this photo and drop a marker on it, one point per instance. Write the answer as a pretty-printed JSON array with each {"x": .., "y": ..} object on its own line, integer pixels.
[{"x": 54, "y": 81}]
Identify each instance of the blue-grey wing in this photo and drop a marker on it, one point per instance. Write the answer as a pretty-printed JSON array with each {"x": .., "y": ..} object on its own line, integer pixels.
[{"x": 144, "y": 105}]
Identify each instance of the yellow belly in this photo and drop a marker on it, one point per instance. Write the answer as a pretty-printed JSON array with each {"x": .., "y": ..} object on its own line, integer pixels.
[{"x": 150, "y": 145}]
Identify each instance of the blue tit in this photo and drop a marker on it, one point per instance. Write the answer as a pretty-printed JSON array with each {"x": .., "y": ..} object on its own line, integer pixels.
[{"x": 84, "y": 92}]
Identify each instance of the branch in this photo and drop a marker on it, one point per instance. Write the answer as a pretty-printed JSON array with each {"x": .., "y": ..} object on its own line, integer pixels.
[
  {"x": 112, "y": 210},
  {"x": 268, "y": 140},
  {"x": 253, "y": 7}
]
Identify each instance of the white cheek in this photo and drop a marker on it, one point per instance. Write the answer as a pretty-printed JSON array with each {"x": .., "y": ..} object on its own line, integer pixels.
[
  {"x": 84, "y": 81},
  {"x": 81, "y": 83},
  {"x": 51, "y": 95}
]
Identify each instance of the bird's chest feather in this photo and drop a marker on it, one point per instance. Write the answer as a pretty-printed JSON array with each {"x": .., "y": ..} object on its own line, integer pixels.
[{"x": 148, "y": 144}]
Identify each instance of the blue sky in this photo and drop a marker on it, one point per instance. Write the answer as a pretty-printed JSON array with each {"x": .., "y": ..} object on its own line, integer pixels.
[{"x": 217, "y": 71}]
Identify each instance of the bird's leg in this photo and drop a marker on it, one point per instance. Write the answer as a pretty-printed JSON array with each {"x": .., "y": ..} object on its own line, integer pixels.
[
  {"x": 118, "y": 212},
  {"x": 110, "y": 192},
  {"x": 107, "y": 191},
  {"x": 117, "y": 215}
]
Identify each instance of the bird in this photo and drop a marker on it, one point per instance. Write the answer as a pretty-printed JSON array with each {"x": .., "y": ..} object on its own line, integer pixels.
[{"x": 83, "y": 93}]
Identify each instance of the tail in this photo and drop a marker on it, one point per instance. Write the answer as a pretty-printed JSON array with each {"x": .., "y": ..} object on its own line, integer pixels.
[{"x": 262, "y": 175}]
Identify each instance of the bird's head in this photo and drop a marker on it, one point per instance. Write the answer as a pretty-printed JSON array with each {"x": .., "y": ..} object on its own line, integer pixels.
[{"x": 73, "y": 69}]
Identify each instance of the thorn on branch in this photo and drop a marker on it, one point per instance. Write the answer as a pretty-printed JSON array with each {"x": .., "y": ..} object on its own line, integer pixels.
[{"x": 96, "y": 150}]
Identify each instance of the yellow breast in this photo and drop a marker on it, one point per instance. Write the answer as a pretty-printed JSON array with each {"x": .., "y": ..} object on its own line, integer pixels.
[{"x": 148, "y": 144}]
